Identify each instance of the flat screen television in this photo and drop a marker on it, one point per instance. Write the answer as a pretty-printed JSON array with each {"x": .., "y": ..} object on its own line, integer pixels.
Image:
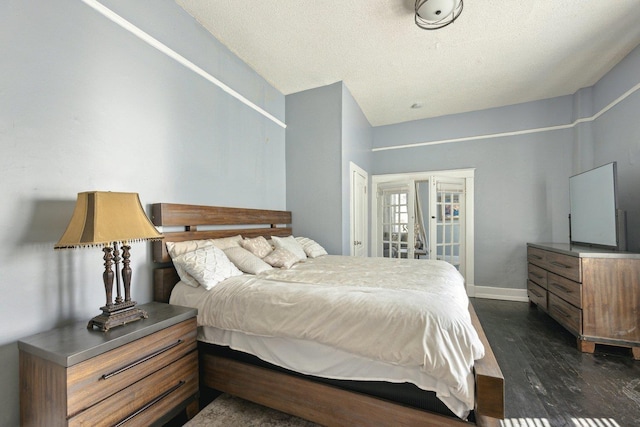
[{"x": 595, "y": 219}]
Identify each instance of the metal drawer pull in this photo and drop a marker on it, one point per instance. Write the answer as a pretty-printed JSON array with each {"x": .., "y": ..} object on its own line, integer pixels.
[
  {"x": 139, "y": 361},
  {"x": 150, "y": 404},
  {"x": 536, "y": 276},
  {"x": 535, "y": 256},
  {"x": 559, "y": 264},
  {"x": 562, "y": 288}
]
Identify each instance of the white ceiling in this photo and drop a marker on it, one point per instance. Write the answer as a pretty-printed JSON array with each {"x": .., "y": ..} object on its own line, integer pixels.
[{"x": 498, "y": 52}]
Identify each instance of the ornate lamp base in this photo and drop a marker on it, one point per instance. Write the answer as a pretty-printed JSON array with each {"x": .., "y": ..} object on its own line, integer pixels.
[{"x": 117, "y": 315}]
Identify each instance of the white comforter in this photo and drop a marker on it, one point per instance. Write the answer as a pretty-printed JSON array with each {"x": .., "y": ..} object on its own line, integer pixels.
[{"x": 407, "y": 312}]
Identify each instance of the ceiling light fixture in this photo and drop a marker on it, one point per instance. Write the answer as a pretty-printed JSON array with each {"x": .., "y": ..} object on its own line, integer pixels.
[{"x": 434, "y": 14}]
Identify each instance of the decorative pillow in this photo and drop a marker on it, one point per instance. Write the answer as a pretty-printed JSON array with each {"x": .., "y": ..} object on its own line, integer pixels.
[
  {"x": 291, "y": 244},
  {"x": 209, "y": 266},
  {"x": 228, "y": 242},
  {"x": 257, "y": 246},
  {"x": 281, "y": 258},
  {"x": 176, "y": 249},
  {"x": 311, "y": 247},
  {"x": 245, "y": 260}
]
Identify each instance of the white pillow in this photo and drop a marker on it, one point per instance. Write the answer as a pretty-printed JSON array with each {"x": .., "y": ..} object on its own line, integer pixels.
[
  {"x": 291, "y": 244},
  {"x": 311, "y": 247},
  {"x": 209, "y": 266},
  {"x": 281, "y": 258},
  {"x": 245, "y": 260},
  {"x": 176, "y": 249},
  {"x": 227, "y": 242},
  {"x": 257, "y": 246}
]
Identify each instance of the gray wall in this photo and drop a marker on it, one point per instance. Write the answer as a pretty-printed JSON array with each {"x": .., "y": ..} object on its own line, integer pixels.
[
  {"x": 521, "y": 186},
  {"x": 357, "y": 135},
  {"x": 326, "y": 130},
  {"x": 617, "y": 138},
  {"x": 520, "y": 191},
  {"x": 85, "y": 105},
  {"x": 314, "y": 171}
]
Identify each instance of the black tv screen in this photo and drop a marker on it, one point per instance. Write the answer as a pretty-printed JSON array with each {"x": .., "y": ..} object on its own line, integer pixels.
[{"x": 593, "y": 207}]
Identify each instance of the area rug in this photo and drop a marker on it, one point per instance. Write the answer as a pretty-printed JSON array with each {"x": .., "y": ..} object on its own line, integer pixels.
[{"x": 229, "y": 411}]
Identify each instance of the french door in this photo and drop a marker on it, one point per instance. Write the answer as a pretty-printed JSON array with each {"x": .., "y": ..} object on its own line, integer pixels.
[
  {"x": 446, "y": 220},
  {"x": 397, "y": 231},
  {"x": 435, "y": 210},
  {"x": 400, "y": 226}
]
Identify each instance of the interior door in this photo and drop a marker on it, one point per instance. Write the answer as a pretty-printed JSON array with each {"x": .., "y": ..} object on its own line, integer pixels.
[
  {"x": 447, "y": 221},
  {"x": 396, "y": 230},
  {"x": 359, "y": 212}
]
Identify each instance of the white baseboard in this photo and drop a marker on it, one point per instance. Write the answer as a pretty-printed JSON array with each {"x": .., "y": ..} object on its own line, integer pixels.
[{"x": 505, "y": 294}]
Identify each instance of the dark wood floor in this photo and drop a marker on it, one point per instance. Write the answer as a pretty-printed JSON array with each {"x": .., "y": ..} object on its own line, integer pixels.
[{"x": 548, "y": 379}]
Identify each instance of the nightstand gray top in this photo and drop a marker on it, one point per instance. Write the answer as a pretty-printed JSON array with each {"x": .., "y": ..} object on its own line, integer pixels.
[{"x": 75, "y": 343}]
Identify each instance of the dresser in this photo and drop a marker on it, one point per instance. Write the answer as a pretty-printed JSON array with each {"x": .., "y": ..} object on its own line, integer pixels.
[
  {"x": 140, "y": 374},
  {"x": 594, "y": 293}
]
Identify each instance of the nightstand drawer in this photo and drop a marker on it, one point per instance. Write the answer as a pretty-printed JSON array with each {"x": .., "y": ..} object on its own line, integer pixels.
[
  {"x": 102, "y": 376},
  {"x": 566, "y": 314},
  {"x": 145, "y": 401}
]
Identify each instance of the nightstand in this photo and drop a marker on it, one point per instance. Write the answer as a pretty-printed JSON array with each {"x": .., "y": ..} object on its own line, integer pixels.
[{"x": 139, "y": 374}]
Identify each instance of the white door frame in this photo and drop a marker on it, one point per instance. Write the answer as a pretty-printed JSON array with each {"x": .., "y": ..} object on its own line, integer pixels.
[
  {"x": 358, "y": 216},
  {"x": 469, "y": 175}
]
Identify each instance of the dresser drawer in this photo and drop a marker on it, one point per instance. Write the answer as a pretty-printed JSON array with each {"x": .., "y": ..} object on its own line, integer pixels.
[
  {"x": 147, "y": 400},
  {"x": 537, "y": 294},
  {"x": 102, "y": 376},
  {"x": 566, "y": 289},
  {"x": 566, "y": 314},
  {"x": 537, "y": 275},
  {"x": 564, "y": 265},
  {"x": 537, "y": 256}
]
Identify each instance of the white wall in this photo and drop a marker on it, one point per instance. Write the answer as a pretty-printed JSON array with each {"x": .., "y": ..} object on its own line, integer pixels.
[{"x": 87, "y": 105}]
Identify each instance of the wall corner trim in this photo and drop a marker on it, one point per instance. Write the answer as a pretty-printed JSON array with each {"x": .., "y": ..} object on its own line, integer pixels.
[
  {"x": 519, "y": 132},
  {"x": 151, "y": 41}
]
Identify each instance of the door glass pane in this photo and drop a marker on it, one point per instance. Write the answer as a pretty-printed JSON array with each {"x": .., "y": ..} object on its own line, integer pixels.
[
  {"x": 395, "y": 221},
  {"x": 448, "y": 197}
]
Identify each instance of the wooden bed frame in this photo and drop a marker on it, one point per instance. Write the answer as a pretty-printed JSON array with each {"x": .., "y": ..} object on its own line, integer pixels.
[{"x": 321, "y": 403}]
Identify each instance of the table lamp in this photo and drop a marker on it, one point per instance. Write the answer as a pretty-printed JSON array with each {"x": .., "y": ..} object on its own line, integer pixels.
[{"x": 108, "y": 219}]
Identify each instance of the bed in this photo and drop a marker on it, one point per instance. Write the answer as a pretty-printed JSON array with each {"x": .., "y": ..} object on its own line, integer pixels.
[{"x": 279, "y": 373}]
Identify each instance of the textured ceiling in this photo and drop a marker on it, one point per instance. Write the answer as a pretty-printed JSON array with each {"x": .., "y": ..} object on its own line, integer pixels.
[{"x": 499, "y": 52}]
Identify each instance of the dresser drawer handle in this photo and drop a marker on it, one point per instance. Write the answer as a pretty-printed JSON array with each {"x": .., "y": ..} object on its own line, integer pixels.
[
  {"x": 150, "y": 404},
  {"x": 562, "y": 288},
  {"x": 559, "y": 264},
  {"x": 534, "y": 256},
  {"x": 537, "y": 276},
  {"x": 139, "y": 361}
]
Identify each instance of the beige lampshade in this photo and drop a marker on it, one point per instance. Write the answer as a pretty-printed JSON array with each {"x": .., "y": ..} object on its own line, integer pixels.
[{"x": 103, "y": 217}]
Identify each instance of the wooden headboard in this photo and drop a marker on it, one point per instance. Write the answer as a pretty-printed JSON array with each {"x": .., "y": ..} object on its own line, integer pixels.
[{"x": 193, "y": 222}]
